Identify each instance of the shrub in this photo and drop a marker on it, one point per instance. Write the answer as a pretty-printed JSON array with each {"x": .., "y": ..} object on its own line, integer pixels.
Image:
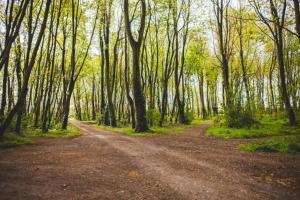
[
  {"x": 99, "y": 118},
  {"x": 220, "y": 120},
  {"x": 153, "y": 117},
  {"x": 189, "y": 115},
  {"x": 238, "y": 118},
  {"x": 57, "y": 126}
]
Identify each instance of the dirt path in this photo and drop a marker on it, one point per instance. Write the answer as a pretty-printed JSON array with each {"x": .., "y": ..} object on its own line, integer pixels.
[{"x": 106, "y": 165}]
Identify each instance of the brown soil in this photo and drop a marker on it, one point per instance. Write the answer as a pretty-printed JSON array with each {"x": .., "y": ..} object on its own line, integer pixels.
[{"x": 106, "y": 165}]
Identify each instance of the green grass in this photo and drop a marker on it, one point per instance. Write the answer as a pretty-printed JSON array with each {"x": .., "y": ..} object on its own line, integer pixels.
[
  {"x": 154, "y": 131},
  {"x": 54, "y": 133},
  {"x": 12, "y": 140},
  {"x": 286, "y": 144},
  {"x": 267, "y": 127},
  {"x": 197, "y": 122},
  {"x": 283, "y": 138}
]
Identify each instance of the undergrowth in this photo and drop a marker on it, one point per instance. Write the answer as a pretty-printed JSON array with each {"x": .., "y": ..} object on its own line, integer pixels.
[{"x": 286, "y": 144}]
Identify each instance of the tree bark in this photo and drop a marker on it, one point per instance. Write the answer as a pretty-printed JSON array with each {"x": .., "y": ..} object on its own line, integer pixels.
[
  {"x": 129, "y": 99},
  {"x": 139, "y": 99},
  {"x": 111, "y": 107},
  {"x": 297, "y": 17}
]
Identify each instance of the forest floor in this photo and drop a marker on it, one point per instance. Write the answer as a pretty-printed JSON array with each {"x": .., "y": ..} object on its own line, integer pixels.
[{"x": 106, "y": 165}]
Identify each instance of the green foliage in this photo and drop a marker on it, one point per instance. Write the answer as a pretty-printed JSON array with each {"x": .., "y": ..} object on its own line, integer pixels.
[
  {"x": 98, "y": 118},
  {"x": 153, "y": 117},
  {"x": 27, "y": 121},
  {"x": 266, "y": 127},
  {"x": 197, "y": 122},
  {"x": 78, "y": 116},
  {"x": 297, "y": 112},
  {"x": 289, "y": 144},
  {"x": 238, "y": 118},
  {"x": 12, "y": 140},
  {"x": 189, "y": 115},
  {"x": 219, "y": 120},
  {"x": 54, "y": 133}
]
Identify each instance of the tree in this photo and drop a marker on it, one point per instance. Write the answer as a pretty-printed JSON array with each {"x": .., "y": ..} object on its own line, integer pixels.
[
  {"x": 276, "y": 27},
  {"x": 75, "y": 68},
  {"x": 109, "y": 88},
  {"x": 159, "y": 66},
  {"x": 297, "y": 17},
  {"x": 13, "y": 25},
  {"x": 27, "y": 73},
  {"x": 139, "y": 99}
]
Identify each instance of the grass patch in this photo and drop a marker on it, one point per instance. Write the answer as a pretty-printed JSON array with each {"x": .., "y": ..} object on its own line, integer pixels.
[
  {"x": 12, "y": 140},
  {"x": 267, "y": 127},
  {"x": 197, "y": 122},
  {"x": 54, "y": 133},
  {"x": 154, "y": 130},
  {"x": 287, "y": 144}
]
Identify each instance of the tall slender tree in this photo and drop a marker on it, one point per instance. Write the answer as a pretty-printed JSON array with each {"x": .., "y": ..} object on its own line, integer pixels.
[{"x": 139, "y": 98}]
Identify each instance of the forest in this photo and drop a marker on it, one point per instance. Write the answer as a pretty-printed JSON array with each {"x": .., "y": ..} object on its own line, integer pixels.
[
  {"x": 188, "y": 99},
  {"x": 148, "y": 63}
]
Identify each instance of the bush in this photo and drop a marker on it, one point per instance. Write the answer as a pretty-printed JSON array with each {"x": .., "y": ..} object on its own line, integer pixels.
[
  {"x": 57, "y": 126},
  {"x": 153, "y": 117},
  {"x": 220, "y": 120},
  {"x": 238, "y": 118},
  {"x": 189, "y": 115},
  {"x": 98, "y": 118}
]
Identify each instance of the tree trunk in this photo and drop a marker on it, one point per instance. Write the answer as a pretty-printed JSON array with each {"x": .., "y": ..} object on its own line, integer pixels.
[
  {"x": 111, "y": 108},
  {"x": 129, "y": 99},
  {"x": 93, "y": 99},
  {"x": 285, "y": 96},
  {"x": 201, "y": 94},
  {"x": 104, "y": 113},
  {"x": 297, "y": 17},
  {"x": 139, "y": 99}
]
